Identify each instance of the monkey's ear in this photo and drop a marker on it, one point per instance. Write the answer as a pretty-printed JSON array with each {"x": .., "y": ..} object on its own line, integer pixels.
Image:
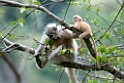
[{"x": 80, "y": 19}]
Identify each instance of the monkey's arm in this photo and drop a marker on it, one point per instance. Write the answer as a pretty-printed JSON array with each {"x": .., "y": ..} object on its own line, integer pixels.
[
  {"x": 69, "y": 34},
  {"x": 40, "y": 63},
  {"x": 41, "y": 45}
]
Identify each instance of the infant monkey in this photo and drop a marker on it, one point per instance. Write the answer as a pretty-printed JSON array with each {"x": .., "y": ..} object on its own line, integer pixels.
[{"x": 83, "y": 27}]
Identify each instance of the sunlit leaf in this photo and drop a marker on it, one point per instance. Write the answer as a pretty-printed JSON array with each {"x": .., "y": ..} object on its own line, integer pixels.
[
  {"x": 107, "y": 35},
  {"x": 36, "y": 2},
  {"x": 63, "y": 68},
  {"x": 89, "y": 81},
  {"x": 82, "y": 50},
  {"x": 88, "y": 7},
  {"x": 22, "y": 9},
  {"x": 11, "y": 36},
  {"x": 84, "y": 0},
  {"x": 122, "y": 31},
  {"x": 102, "y": 49},
  {"x": 1, "y": 34},
  {"x": 21, "y": 22},
  {"x": 13, "y": 23},
  {"x": 104, "y": 58},
  {"x": 98, "y": 9},
  {"x": 75, "y": 3},
  {"x": 98, "y": 59}
]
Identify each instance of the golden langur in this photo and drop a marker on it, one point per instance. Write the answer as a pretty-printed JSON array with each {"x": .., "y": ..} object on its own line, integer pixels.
[
  {"x": 65, "y": 40},
  {"x": 84, "y": 28}
]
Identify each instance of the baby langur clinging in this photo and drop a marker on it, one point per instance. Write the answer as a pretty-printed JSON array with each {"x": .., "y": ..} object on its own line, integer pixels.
[
  {"x": 66, "y": 40},
  {"x": 83, "y": 27}
]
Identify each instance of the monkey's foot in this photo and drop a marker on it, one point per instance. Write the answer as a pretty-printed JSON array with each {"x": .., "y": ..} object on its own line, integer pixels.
[
  {"x": 80, "y": 47},
  {"x": 38, "y": 60}
]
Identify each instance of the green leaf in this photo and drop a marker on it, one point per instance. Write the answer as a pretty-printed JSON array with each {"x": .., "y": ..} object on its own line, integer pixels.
[
  {"x": 88, "y": 7},
  {"x": 89, "y": 81},
  {"x": 122, "y": 31},
  {"x": 98, "y": 10},
  {"x": 36, "y": 2},
  {"x": 82, "y": 50},
  {"x": 1, "y": 34},
  {"x": 22, "y": 9},
  {"x": 98, "y": 59},
  {"x": 11, "y": 36},
  {"x": 75, "y": 3},
  {"x": 21, "y": 22},
  {"x": 112, "y": 49},
  {"x": 102, "y": 49},
  {"x": 62, "y": 51},
  {"x": 63, "y": 68},
  {"x": 95, "y": 21},
  {"x": 84, "y": 0},
  {"x": 51, "y": 42},
  {"x": 107, "y": 35},
  {"x": 104, "y": 58},
  {"x": 13, "y": 23}
]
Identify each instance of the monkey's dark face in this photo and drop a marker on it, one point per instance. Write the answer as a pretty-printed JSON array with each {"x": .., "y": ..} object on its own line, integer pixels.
[{"x": 52, "y": 31}]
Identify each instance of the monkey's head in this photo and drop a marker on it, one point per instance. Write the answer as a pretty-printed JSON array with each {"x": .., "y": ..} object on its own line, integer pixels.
[
  {"x": 77, "y": 18},
  {"x": 51, "y": 30}
]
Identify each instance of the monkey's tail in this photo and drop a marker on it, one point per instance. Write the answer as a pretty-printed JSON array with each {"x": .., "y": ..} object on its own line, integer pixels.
[{"x": 95, "y": 49}]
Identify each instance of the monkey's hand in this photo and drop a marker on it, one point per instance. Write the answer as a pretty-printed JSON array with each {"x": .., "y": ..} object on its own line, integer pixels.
[
  {"x": 79, "y": 48},
  {"x": 39, "y": 61}
]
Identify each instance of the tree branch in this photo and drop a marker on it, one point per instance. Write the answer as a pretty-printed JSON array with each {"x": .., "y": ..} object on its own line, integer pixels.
[
  {"x": 17, "y": 46},
  {"x": 85, "y": 66}
]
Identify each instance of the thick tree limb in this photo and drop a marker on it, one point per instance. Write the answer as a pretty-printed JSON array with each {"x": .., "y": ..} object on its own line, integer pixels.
[
  {"x": 17, "y": 46},
  {"x": 85, "y": 66},
  {"x": 16, "y": 4}
]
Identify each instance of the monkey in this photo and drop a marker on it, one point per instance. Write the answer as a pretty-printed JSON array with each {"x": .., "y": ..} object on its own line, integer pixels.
[
  {"x": 84, "y": 28},
  {"x": 65, "y": 40}
]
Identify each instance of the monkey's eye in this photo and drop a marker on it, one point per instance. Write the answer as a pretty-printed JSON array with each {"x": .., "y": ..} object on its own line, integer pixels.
[
  {"x": 54, "y": 29},
  {"x": 75, "y": 17}
]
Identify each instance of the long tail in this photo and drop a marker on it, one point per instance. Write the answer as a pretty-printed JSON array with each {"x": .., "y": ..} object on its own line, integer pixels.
[{"x": 95, "y": 49}]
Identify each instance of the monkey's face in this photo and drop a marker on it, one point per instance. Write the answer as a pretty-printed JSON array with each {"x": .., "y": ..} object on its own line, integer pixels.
[
  {"x": 76, "y": 18},
  {"x": 51, "y": 31}
]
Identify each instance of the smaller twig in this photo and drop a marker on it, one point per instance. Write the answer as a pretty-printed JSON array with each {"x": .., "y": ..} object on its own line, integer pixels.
[
  {"x": 61, "y": 76},
  {"x": 85, "y": 76},
  {"x": 12, "y": 46}
]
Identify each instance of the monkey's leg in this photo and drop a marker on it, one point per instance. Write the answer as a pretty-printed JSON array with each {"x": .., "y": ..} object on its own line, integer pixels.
[
  {"x": 54, "y": 54},
  {"x": 71, "y": 74},
  {"x": 81, "y": 36}
]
